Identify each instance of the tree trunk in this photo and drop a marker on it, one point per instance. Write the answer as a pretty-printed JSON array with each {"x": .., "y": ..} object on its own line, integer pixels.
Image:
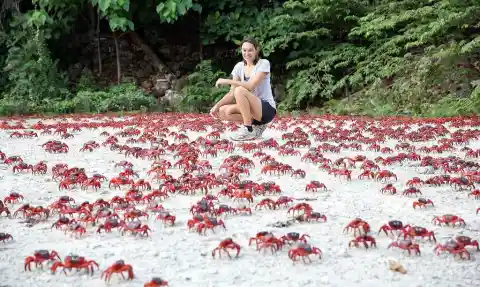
[
  {"x": 157, "y": 63},
  {"x": 117, "y": 51},
  {"x": 200, "y": 36},
  {"x": 99, "y": 53},
  {"x": 93, "y": 36}
]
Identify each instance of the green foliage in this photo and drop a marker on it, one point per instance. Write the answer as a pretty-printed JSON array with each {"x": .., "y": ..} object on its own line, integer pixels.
[
  {"x": 124, "y": 97},
  {"x": 200, "y": 92},
  {"x": 232, "y": 20},
  {"x": 170, "y": 10},
  {"x": 320, "y": 54},
  {"x": 379, "y": 57},
  {"x": 32, "y": 74}
]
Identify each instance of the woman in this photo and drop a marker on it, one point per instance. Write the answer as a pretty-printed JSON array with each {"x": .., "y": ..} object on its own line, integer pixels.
[{"x": 250, "y": 99}]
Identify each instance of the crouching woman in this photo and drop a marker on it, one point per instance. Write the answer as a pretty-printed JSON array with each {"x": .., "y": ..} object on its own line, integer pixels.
[{"x": 250, "y": 99}]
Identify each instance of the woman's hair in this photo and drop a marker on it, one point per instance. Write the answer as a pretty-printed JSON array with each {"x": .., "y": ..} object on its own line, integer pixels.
[{"x": 255, "y": 45}]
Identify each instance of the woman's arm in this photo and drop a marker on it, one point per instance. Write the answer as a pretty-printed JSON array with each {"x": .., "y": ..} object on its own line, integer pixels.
[
  {"x": 228, "y": 98},
  {"x": 250, "y": 85}
]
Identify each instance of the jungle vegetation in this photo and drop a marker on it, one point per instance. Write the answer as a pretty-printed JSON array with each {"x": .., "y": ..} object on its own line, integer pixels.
[{"x": 369, "y": 57}]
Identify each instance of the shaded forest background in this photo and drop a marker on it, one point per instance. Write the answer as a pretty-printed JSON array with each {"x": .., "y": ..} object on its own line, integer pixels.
[{"x": 375, "y": 57}]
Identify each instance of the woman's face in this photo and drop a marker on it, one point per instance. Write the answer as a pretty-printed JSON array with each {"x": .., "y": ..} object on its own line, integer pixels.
[{"x": 249, "y": 52}]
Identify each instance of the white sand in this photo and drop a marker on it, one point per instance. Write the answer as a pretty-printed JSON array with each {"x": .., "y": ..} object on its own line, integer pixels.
[{"x": 183, "y": 258}]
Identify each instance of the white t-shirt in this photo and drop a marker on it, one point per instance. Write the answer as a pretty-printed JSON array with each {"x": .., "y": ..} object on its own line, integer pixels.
[{"x": 264, "y": 90}]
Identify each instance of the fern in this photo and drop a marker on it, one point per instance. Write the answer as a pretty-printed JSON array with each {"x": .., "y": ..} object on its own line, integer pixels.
[{"x": 200, "y": 92}]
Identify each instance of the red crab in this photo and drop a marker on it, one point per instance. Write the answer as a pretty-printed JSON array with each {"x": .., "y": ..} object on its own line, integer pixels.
[
  {"x": 461, "y": 183},
  {"x": 143, "y": 184},
  {"x": 156, "y": 282},
  {"x": 135, "y": 227},
  {"x": 304, "y": 250},
  {"x": 196, "y": 219},
  {"x": 283, "y": 200},
  {"x": 226, "y": 244},
  {"x": 270, "y": 187},
  {"x": 422, "y": 202},
  {"x": 299, "y": 172},
  {"x": 165, "y": 217},
  {"x": 342, "y": 172},
  {"x": 40, "y": 256},
  {"x": 39, "y": 168},
  {"x": 22, "y": 167},
  {"x": 475, "y": 193},
  {"x": 368, "y": 174},
  {"x": 3, "y": 209},
  {"x": 118, "y": 267},
  {"x": 5, "y": 236},
  {"x": 76, "y": 229},
  {"x": 406, "y": 245},
  {"x": 124, "y": 164},
  {"x": 314, "y": 186},
  {"x": 417, "y": 231},
  {"x": 448, "y": 219},
  {"x": 266, "y": 202},
  {"x": 311, "y": 216},
  {"x": 365, "y": 239},
  {"x": 414, "y": 181},
  {"x": 357, "y": 225},
  {"x": 243, "y": 210},
  {"x": 385, "y": 174},
  {"x": 116, "y": 182},
  {"x": 209, "y": 223},
  {"x": 62, "y": 221},
  {"x": 389, "y": 188},
  {"x": 74, "y": 261},
  {"x": 411, "y": 191},
  {"x": 305, "y": 207},
  {"x": 269, "y": 241},
  {"x": 13, "y": 197},
  {"x": 134, "y": 214},
  {"x": 391, "y": 226},
  {"x": 293, "y": 237},
  {"x": 13, "y": 159},
  {"x": 467, "y": 241},
  {"x": 259, "y": 238},
  {"x": 109, "y": 224},
  {"x": 453, "y": 248}
]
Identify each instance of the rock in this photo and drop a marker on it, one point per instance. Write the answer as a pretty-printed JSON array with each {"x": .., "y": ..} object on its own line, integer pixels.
[
  {"x": 161, "y": 87},
  {"x": 172, "y": 98},
  {"x": 179, "y": 83},
  {"x": 147, "y": 84}
]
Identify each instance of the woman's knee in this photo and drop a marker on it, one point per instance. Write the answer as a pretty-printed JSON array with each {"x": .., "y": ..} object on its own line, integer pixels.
[{"x": 240, "y": 91}]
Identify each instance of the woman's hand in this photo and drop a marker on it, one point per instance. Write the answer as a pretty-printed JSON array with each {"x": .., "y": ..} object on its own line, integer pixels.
[
  {"x": 214, "y": 111},
  {"x": 220, "y": 82}
]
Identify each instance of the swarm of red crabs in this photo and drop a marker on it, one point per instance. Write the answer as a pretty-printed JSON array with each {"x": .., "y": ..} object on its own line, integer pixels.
[{"x": 217, "y": 174}]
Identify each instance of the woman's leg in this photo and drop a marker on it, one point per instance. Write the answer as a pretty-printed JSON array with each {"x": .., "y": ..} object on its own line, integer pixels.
[
  {"x": 230, "y": 113},
  {"x": 248, "y": 108},
  {"x": 249, "y": 105}
]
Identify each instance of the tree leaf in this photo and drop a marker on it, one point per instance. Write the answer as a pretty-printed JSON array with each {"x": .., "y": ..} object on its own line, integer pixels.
[
  {"x": 197, "y": 8},
  {"x": 104, "y": 5}
]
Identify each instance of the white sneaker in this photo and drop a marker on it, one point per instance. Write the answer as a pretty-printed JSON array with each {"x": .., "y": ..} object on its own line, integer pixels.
[
  {"x": 244, "y": 135},
  {"x": 258, "y": 130}
]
